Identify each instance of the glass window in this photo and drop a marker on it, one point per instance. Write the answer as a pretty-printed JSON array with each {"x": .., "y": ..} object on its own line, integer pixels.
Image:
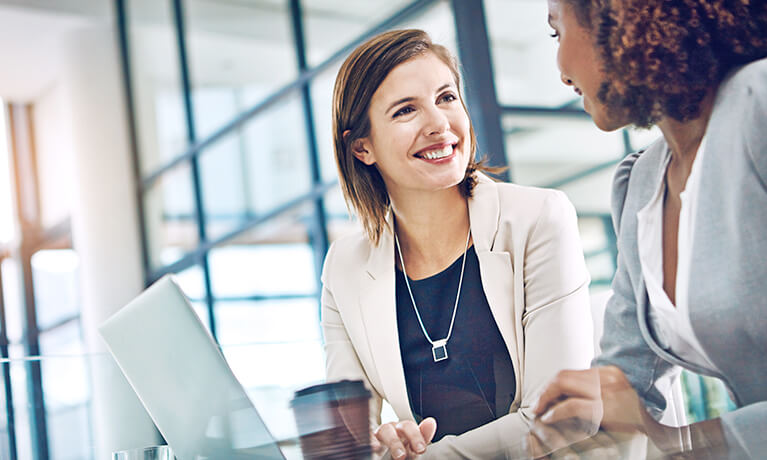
[
  {"x": 238, "y": 53},
  {"x": 331, "y": 24},
  {"x": 156, "y": 83},
  {"x": 169, "y": 216},
  {"x": 273, "y": 259},
  {"x": 14, "y": 300},
  {"x": 4, "y": 428},
  {"x": 65, "y": 381},
  {"x": 66, "y": 390},
  {"x": 322, "y": 107},
  {"x": 438, "y": 22},
  {"x": 22, "y": 410},
  {"x": 55, "y": 275},
  {"x": 192, "y": 283},
  {"x": 265, "y": 287},
  {"x": 265, "y": 269},
  {"x": 339, "y": 221},
  {"x": 524, "y": 56},
  {"x": 545, "y": 150},
  {"x": 257, "y": 168},
  {"x": 269, "y": 321}
]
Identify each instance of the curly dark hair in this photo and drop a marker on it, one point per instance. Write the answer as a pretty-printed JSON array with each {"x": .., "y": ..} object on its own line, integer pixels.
[{"x": 661, "y": 57}]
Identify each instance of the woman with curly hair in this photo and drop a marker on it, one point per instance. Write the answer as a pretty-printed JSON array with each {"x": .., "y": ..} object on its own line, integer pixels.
[{"x": 690, "y": 212}]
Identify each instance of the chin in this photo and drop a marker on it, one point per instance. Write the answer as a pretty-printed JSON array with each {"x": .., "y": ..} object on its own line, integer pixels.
[
  {"x": 601, "y": 118},
  {"x": 606, "y": 124}
]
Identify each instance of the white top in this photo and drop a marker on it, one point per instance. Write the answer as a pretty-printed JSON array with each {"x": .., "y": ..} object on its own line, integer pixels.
[{"x": 671, "y": 324}]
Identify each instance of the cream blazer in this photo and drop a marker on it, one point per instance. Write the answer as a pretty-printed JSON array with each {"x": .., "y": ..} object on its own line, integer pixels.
[{"x": 536, "y": 283}]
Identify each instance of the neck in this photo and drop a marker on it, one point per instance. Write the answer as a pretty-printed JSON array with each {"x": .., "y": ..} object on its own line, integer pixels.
[
  {"x": 431, "y": 226},
  {"x": 684, "y": 138}
]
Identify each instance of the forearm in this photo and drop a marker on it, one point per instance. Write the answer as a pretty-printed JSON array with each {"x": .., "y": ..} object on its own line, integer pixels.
[{"x": 501, "y": 438}]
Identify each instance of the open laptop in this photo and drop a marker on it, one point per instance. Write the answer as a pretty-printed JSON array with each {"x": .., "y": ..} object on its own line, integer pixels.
[{"x": 183, "y": 380}]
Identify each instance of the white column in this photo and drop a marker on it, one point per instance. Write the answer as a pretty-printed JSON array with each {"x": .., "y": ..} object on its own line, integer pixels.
[{"x": 105, "y": 224}]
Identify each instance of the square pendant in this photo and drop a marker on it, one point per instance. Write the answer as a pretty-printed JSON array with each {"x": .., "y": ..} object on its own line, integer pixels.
[{"x": 439, "y": 350}]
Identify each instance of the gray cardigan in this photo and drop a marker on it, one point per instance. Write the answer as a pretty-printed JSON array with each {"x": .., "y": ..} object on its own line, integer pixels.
[{"x": 728, "y": 275}]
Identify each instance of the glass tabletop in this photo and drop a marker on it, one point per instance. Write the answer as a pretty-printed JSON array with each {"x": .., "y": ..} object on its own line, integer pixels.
[
  {"x": 79, "y": 406},
  {"x": 69, "y": 406}
]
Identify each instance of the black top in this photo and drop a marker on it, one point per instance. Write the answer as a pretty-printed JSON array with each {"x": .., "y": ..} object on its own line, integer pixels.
[{"x": 475, "y": 384}]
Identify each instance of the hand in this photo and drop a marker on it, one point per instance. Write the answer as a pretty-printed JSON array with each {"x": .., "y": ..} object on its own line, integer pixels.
[
  {"x": 576, "y": 403},
  {"x": 404, "y": 439},
  {"x": 601, "y": 446},
  {"x": 600, "y": 396}
]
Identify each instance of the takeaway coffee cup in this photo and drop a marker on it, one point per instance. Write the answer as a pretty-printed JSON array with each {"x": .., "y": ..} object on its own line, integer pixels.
[{"x": 333, "y": 420}]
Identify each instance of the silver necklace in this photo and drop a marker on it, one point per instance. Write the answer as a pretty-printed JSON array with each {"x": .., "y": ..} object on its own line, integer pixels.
[{"x": 438, "y": 347}]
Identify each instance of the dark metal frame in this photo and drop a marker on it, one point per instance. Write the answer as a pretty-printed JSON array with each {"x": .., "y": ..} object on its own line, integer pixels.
[
  {"x": 28, "y": 206},
  {"x": 10, "y": 416},
  {"x": 479, "y": 81},
  {"x": 186, "y": 87}
]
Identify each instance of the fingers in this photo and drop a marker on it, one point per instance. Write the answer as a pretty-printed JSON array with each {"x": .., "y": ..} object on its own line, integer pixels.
[
  {"x": 405, "y": 439},
  {"x": 587, "y": 411},
  {"x": 552, "y": 438},
  {"x": 388, "y": 437},
  {"x": 569, "y": 383},
  {"x": 411, "y": 434},
  {"x": 375, "y": 444},
  {"x": 428, "y": 427}
]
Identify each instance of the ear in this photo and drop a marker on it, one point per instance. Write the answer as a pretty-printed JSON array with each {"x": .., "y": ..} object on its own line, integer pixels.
[{"x": 361, "y": 149}]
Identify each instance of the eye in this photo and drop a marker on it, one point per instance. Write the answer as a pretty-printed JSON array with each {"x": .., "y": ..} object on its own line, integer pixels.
[
  {"x": 447, "y": 97},
  {"x": 403, "y": 111},
  {"x": 554, "y": 35}
]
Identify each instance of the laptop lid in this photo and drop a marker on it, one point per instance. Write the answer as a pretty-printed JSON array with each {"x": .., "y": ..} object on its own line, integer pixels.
[{"x": 181, "y": 377}]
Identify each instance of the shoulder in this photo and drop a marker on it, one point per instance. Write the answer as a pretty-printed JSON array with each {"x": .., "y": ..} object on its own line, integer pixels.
[
  {"x": 351, "y": 250},
  {"x": 636, "y": 168},
  {"x": 531, "y": 209},
  {"x": 740, "y": 115},
  {"x": 741, "y": 100},
  {"x": 527, "y": 203},
  {"x": 748, "y": 80}
]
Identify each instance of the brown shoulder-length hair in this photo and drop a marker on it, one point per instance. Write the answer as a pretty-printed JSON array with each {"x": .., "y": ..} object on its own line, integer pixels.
[
  {"x": 358, "y": 79},
  {"x": 661, "y": 57}
]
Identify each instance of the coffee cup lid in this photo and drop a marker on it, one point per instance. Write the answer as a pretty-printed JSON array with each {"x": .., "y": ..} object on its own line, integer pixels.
[{"x": 331, "y": 392}]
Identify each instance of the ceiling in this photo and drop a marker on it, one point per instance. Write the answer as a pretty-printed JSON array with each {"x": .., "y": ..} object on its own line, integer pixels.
[{"x": 30, "y": 35}]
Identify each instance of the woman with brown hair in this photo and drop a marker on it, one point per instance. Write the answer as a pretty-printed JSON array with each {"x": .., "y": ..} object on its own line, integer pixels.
[
  {"x": 690, "y": 212},
  {"x": 462, "y": 296}
]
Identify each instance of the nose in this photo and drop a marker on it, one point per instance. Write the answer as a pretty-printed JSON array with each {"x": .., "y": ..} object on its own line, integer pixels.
[
  {"x": 437, "y": 122},
  {"x": 566, "y": 80}
]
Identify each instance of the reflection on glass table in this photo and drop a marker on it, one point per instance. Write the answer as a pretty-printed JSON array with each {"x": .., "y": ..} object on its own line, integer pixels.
[
  {"x": 74, "y": 393},
  {"x": 271, "y": 373}
]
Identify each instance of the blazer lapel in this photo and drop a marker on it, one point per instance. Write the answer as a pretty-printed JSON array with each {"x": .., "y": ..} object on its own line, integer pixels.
[
  {"x": 379, "y": 313},
  {"x": 495, "y": 266}
]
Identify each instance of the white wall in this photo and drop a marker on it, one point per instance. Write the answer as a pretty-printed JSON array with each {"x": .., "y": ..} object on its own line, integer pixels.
[{"x": 84, "y": 115}]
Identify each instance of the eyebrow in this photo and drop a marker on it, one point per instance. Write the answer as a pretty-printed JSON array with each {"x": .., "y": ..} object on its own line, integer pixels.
[{"x": 411, "y": 98}]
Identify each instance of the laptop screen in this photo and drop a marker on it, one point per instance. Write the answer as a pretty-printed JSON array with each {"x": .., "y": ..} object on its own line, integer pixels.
[{"x": 183, "y": 380}]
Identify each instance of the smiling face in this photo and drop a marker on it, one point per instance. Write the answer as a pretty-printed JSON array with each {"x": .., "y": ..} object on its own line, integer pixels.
[
  {"x": 419, "y": 130},
  {"x": 579, "y": 63}
]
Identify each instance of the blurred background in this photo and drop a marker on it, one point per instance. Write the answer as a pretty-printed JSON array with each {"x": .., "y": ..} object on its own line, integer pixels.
[{"x": 146, "y": 137}]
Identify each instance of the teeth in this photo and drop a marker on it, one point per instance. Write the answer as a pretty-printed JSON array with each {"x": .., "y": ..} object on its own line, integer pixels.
[{"x": 436, "y": 154}]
